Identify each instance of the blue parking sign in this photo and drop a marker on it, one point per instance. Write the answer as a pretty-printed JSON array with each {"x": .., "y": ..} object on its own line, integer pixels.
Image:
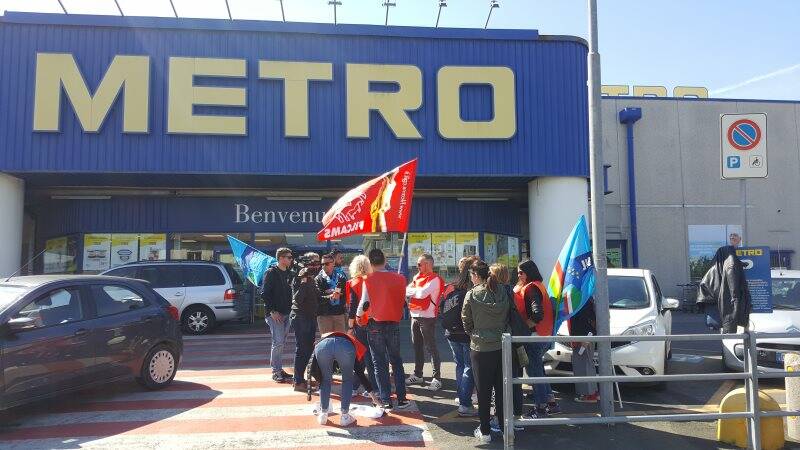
[
  {"x": 759, "y": 278},
  {"x": 734, "y": 162}
]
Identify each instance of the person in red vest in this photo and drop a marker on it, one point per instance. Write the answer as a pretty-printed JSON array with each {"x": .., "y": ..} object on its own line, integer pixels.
[
  {"x": 383, "y": 298},
  {"x": 536, "y": 309},
  {"x": 423, "y": 303},
  {"x": 348, "y": 352},
  {"x": 359, "y": 269}
]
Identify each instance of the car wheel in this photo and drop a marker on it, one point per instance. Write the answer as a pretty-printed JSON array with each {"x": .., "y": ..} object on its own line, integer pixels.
[
  {"x": 198, "y": 320},
  {"x": 662, "y": 385},
  {"x": 159, "y": 368}
]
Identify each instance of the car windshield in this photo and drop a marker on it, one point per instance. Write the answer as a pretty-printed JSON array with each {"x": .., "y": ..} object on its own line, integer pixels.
[
  {"x": 10, "y": 293},
  {"x": 786, "y": 293},
  {"x": 627, "y": 293}
]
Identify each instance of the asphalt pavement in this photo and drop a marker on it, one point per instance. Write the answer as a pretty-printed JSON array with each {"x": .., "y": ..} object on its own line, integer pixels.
[{"x": 224, "y": 398}]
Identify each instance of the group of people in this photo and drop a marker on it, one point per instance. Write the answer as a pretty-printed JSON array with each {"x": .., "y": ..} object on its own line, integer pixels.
[{"x": 358, "y": 316}]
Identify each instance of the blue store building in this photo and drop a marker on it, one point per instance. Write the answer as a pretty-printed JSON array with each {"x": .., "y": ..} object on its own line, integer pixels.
[{"x": 152, "y": 138}]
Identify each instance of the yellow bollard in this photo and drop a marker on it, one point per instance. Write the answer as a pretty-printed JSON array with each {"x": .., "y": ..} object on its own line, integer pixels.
[{"x": 734, "y": 431}]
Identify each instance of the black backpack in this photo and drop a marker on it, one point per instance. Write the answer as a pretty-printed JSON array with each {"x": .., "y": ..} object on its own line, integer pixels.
[{"x": 450, "y": 311}]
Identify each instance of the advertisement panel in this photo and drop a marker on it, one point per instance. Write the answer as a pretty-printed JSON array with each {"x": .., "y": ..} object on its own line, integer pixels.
[
  {"x": 490, "y": 248},
  {"x": 466, "y": 244},
  {"x": 704, "y": 240},
  {"x": 55, "y": 255},
  {"x": 418, "y": 243},
  {"x": 443, "y": 249},
  {"x": 96, "y": 252},
  {"x": 152, "y": 247},
  {"x": 756, "y": 261},
  {"x": 124, "y": 249}
]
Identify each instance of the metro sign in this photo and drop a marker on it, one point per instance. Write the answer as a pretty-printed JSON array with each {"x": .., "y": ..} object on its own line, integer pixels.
[{"x": 59, "y": 72}]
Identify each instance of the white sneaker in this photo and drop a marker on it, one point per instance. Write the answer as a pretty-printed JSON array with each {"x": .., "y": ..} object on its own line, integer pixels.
[
  {"x": 482, "y": 438},
  {"x": 322, "y": 418},
  {"x": 435, "y": 385},
  {"x": 318, "y": 409},
  {"x": 346, "y": 419},
  {"x": 413, "y": 379}
]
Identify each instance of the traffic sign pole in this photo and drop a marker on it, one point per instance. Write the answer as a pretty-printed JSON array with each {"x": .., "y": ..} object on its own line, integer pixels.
[{"x": 598, "y": 214}]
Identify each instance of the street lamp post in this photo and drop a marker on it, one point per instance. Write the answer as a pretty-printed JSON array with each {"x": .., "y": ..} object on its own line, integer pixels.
[
  {"x": 442, "y": 4},
  {"x": 387, "y": 4},
  {"x": 598, "y": 214},
  {"x": 492, "y": 5},
  {"x": 283, "y": 16},
  {"x": 335, "y": 3}
]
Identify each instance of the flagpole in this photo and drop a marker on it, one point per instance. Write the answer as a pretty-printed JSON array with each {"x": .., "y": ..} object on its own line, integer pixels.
[{"x": 402, "y": 252}]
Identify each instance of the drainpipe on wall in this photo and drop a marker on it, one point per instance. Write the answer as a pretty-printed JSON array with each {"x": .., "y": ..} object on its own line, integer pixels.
[{"x": 630, "y": 116}]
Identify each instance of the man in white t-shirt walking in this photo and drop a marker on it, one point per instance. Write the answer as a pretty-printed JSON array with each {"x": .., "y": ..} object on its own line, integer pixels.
[{"x": 423, "y": 304}]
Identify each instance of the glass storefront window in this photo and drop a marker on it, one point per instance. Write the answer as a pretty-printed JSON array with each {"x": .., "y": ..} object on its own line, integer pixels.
[
  {"x": 60, "y": 255},
  {"x": 202, "y": 246}
]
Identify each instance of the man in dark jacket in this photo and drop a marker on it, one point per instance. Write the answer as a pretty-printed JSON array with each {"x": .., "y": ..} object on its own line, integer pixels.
[
  {"x": 331, "y": 316},
  {"x": 725, "y": 287},
  {"x": 305, "y": 305},
  {"x": 276, "y": 292}
]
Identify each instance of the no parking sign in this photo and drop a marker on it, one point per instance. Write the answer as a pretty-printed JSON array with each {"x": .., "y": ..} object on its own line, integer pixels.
[{"x": 743, "y": 145}]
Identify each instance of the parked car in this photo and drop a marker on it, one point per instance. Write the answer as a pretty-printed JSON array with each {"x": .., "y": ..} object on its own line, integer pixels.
[
  {"x": 205, "y": 293},
  {"x": 637, "y": 308},
  {"x": 60, "y": 333},
  {"x": 785, "y": 318}
]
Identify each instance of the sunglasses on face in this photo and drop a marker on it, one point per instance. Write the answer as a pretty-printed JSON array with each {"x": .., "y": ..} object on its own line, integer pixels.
[{"x": 287, "y": 256}]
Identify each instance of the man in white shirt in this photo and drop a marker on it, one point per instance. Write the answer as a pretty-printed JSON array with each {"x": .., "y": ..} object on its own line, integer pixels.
[{"x": 423, "y": 303}]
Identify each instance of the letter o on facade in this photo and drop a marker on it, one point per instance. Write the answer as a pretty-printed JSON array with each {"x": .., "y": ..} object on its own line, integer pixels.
[{"x": 503, "y": 124}]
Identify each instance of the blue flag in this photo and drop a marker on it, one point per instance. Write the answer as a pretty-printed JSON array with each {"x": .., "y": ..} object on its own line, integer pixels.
[
  {"x": 253, "y": 262},
  {"x": 572, "y": 282}
]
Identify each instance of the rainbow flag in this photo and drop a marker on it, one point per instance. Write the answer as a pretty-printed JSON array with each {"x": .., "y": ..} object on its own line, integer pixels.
[{"x": 572, "y": 282}]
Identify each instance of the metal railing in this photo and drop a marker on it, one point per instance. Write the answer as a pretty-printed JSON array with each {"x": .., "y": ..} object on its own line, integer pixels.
[{"x": 750, "y": 375}]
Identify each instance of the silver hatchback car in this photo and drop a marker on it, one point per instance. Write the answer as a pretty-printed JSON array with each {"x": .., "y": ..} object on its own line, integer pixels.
[{"x": 205, "y": 293}]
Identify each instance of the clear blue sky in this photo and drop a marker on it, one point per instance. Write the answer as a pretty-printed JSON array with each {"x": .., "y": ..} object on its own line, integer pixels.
[{"x": 736, "y": 48}]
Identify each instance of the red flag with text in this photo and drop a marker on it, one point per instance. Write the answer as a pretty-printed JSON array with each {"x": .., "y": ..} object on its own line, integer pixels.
[{"x": 380, "y": 205}]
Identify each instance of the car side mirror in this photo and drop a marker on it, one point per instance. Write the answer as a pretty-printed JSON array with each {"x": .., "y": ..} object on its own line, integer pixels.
[
  {"x": 20, "y": 324},
  {"x": 671, "y": 304}
]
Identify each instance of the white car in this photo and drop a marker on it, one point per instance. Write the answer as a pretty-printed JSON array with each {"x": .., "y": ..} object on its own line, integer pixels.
[
  {"x": 205, "y": 293},
  {"x": 785, "y": 318},
  {"x": 637, "y": 308}
]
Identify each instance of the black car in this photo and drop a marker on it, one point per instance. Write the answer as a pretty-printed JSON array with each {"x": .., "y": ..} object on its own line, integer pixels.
[{"x": 60, "y": 333}]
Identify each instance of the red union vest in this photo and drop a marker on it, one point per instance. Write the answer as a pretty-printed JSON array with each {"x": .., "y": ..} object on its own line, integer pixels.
[
  {"x": 422, "y": 304},
  {"x": 545, "y": 326},
  {"x": 361, "y": 349},
  {"x": 387, "y": 296}
]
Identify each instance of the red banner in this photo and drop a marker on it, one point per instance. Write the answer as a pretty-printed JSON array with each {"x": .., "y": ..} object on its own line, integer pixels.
[{"x": 382, "y": 204}]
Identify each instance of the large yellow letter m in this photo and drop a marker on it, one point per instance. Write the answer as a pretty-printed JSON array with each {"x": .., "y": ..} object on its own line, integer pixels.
[{"x": 130, "y": 74}]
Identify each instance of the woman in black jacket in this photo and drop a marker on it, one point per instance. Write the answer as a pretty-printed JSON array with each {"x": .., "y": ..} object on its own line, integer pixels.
[
  {"x": 450, "y": 312},
  {"x": 725, "y": 288}
]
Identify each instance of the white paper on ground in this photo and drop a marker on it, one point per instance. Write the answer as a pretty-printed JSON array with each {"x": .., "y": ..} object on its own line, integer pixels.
[{"x": 366, "y": 411}]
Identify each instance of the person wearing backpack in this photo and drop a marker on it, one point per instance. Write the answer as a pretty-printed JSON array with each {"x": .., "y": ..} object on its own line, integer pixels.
[
  {"x": 450, "y": 313},
  {"x": 423, "y": 301}
]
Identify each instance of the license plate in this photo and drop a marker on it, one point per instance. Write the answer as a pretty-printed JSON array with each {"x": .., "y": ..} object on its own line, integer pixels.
[{"x": 779, "y": 356}]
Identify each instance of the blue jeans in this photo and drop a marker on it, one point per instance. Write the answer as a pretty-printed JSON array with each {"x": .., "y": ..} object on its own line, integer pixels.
[
  {"x": 278, "y": 331},
  {"x": 536, "y": 350},
  {"x": 361, "y": 334},
  {"x": 384, "y": 344},
  {"x": 305, "y": 330},
  {"x": 465, "y": 383},
  {"x": 341, "y": 350}
]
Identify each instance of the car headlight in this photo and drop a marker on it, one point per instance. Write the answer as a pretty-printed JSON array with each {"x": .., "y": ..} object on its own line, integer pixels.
[{"x": 642, "y": 329}]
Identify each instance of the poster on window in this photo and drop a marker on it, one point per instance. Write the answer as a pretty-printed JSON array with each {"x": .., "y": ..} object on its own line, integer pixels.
[
  {"x": 466, "y": 244},
  {"x": 55, "y": 255},
  {"x": 152, "y": 247},
  {"x": 96, "y": 252},
  {"x": 704, "y": 240},
  {"x": 490, "y": 248},
  {"x": 513, "y": 252},
  {"x": 124, "y": 249},
  {"x": 443, "y": 249},
  {"x": 418, "y": 243}
]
